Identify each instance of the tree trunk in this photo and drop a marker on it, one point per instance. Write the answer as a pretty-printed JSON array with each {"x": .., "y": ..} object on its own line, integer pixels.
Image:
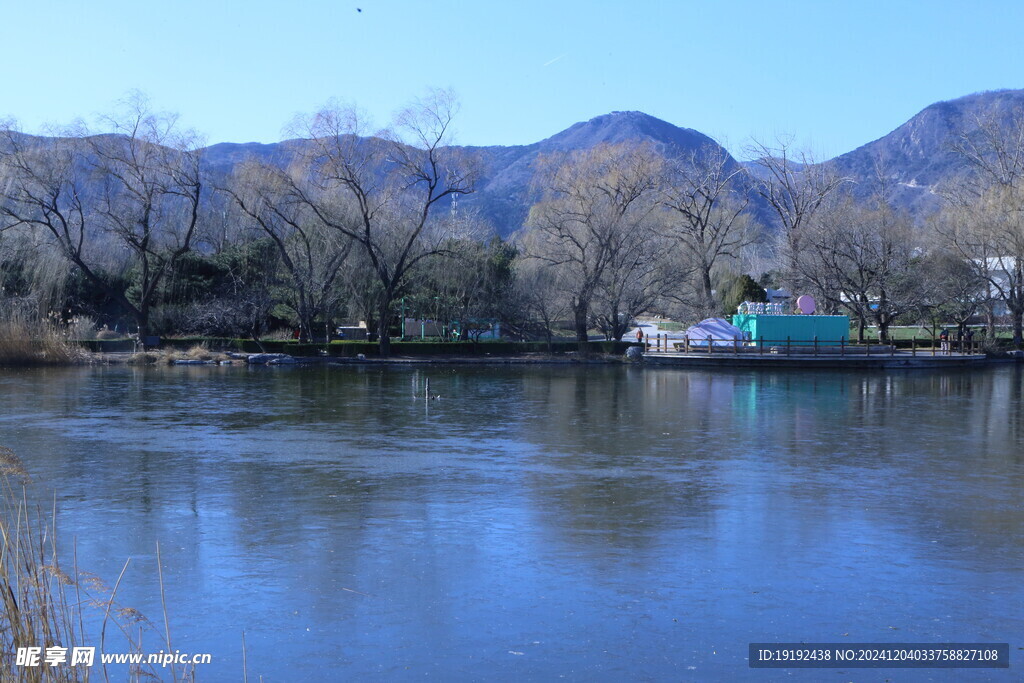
[
  {"x": 383, "y": 340},
  {"x": 142, "y": 321},
  {"x": 304, "y": 326},
  {"x": 619, "y": 328},
  {"x": 255, "y": 330},
  {"x": 707, "y": 291},
  {"x": 580, "y": 312},
  {"x": 386, "y": 313},
  {"x": 383, "y": 334},
  {"x": 990, "y": 322}
]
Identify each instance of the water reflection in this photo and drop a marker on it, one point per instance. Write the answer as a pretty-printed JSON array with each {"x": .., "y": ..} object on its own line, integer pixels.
[{"x": 602, "y": 522}]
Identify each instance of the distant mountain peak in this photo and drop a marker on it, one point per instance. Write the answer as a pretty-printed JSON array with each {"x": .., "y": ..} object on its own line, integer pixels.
[
  {"x": 627, "y": 126},
  {"x": 918, "y": 157},
  {"x": 632, "y": 114}
]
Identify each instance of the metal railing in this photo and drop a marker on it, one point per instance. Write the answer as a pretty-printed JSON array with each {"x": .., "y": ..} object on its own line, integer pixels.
[{"x": 814, "y": 347}]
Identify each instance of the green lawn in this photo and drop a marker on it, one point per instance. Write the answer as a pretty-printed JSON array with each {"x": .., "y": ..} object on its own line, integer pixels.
[{"x": 909, "y": 332}]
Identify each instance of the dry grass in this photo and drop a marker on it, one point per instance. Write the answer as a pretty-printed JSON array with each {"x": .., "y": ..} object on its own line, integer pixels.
[
  {"x": 107, "y": 333},
  {"x": 167, "y": 357},
  {"x": 27, "y": 342},
  {"x": 44, "y": 605},
  {"x": 197, "y": 352},
  {"x": 146, "y": 358}
]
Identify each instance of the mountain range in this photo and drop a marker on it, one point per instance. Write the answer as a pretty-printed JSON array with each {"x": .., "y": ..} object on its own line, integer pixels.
[
  {"x": 915, "y": 159},
  {"x": 504, "y": 184}
]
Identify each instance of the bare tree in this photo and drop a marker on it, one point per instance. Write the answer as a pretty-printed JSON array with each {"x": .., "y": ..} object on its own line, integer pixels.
[
  {"x": 393, "y": 184},
  {"x": 598, "y": 205},
  {"x": 311, "y": 252},
  {"x": 951, "y": 290},
  {"x": 129, "y": 199},
  {"x": 985, "y": 223},
  {"x": 795, "y": 188},
  {"x": 361, "y": 291},
  {"x": 471, "y": 291},
  {"x": 541, "y": 299},
  {"x": 708, "y": 215},
  {"x": 639, "y": 274},
  {"x": 864, "y": 258}
]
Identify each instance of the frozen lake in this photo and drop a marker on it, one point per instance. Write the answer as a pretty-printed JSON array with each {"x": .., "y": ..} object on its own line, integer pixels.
[{"x": 537, "y": 522}]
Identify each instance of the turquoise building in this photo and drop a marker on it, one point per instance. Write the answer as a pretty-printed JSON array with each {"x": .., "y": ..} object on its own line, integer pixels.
[{"x": 800, "y": 330}]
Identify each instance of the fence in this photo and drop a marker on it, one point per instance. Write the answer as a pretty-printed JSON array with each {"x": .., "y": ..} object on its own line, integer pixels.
[{"x": 661, "y": 344}]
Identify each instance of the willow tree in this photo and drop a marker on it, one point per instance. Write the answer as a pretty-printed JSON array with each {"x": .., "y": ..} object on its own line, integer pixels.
[
  {"x": 639, "y": 274},
  {"x": 311, "y": 253},
  {"x": 795, "y": 188},
  {"x": 127, "y": 202},
  {"x": 598, "y": 209},
  {"x": 865, "y": 258},
  {"x": 391, "y": 193},
  {"x": 539, "y": 298},
  {"x": 707, "y": 215},
  {"x": 985, "y": 218}
]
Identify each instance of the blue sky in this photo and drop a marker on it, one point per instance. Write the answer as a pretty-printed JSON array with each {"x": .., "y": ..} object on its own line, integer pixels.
[{"x": 833, "y": 75}]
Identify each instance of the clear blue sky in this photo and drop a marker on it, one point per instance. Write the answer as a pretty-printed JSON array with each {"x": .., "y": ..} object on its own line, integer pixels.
[{"x": 832, "y": 74}]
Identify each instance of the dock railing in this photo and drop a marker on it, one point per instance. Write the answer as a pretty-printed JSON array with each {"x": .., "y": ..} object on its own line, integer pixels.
[{"x": 812, "y": 347}]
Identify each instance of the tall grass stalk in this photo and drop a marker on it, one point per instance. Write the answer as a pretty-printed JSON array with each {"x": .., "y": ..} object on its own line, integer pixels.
[
  {"x": 43, "y": 606},
  {"x": 28, "y": 341}
]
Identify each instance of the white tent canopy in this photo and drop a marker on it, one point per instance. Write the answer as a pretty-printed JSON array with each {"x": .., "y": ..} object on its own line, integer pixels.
[{"x": 722, "y": 333}]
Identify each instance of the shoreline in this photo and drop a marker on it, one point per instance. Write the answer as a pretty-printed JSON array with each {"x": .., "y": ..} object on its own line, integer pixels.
[
  {"x": 125, "y": 358},
  {"x": 652, "y": 359}
]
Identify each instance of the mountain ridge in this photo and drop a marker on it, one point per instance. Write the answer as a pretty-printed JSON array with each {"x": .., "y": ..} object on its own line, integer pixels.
[{"x": 916, "y": 158}]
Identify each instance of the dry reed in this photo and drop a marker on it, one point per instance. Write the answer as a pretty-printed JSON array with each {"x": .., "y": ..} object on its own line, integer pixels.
[
  {"x": 43, "y": 606},
  {"x": 24, "y": 341}
]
